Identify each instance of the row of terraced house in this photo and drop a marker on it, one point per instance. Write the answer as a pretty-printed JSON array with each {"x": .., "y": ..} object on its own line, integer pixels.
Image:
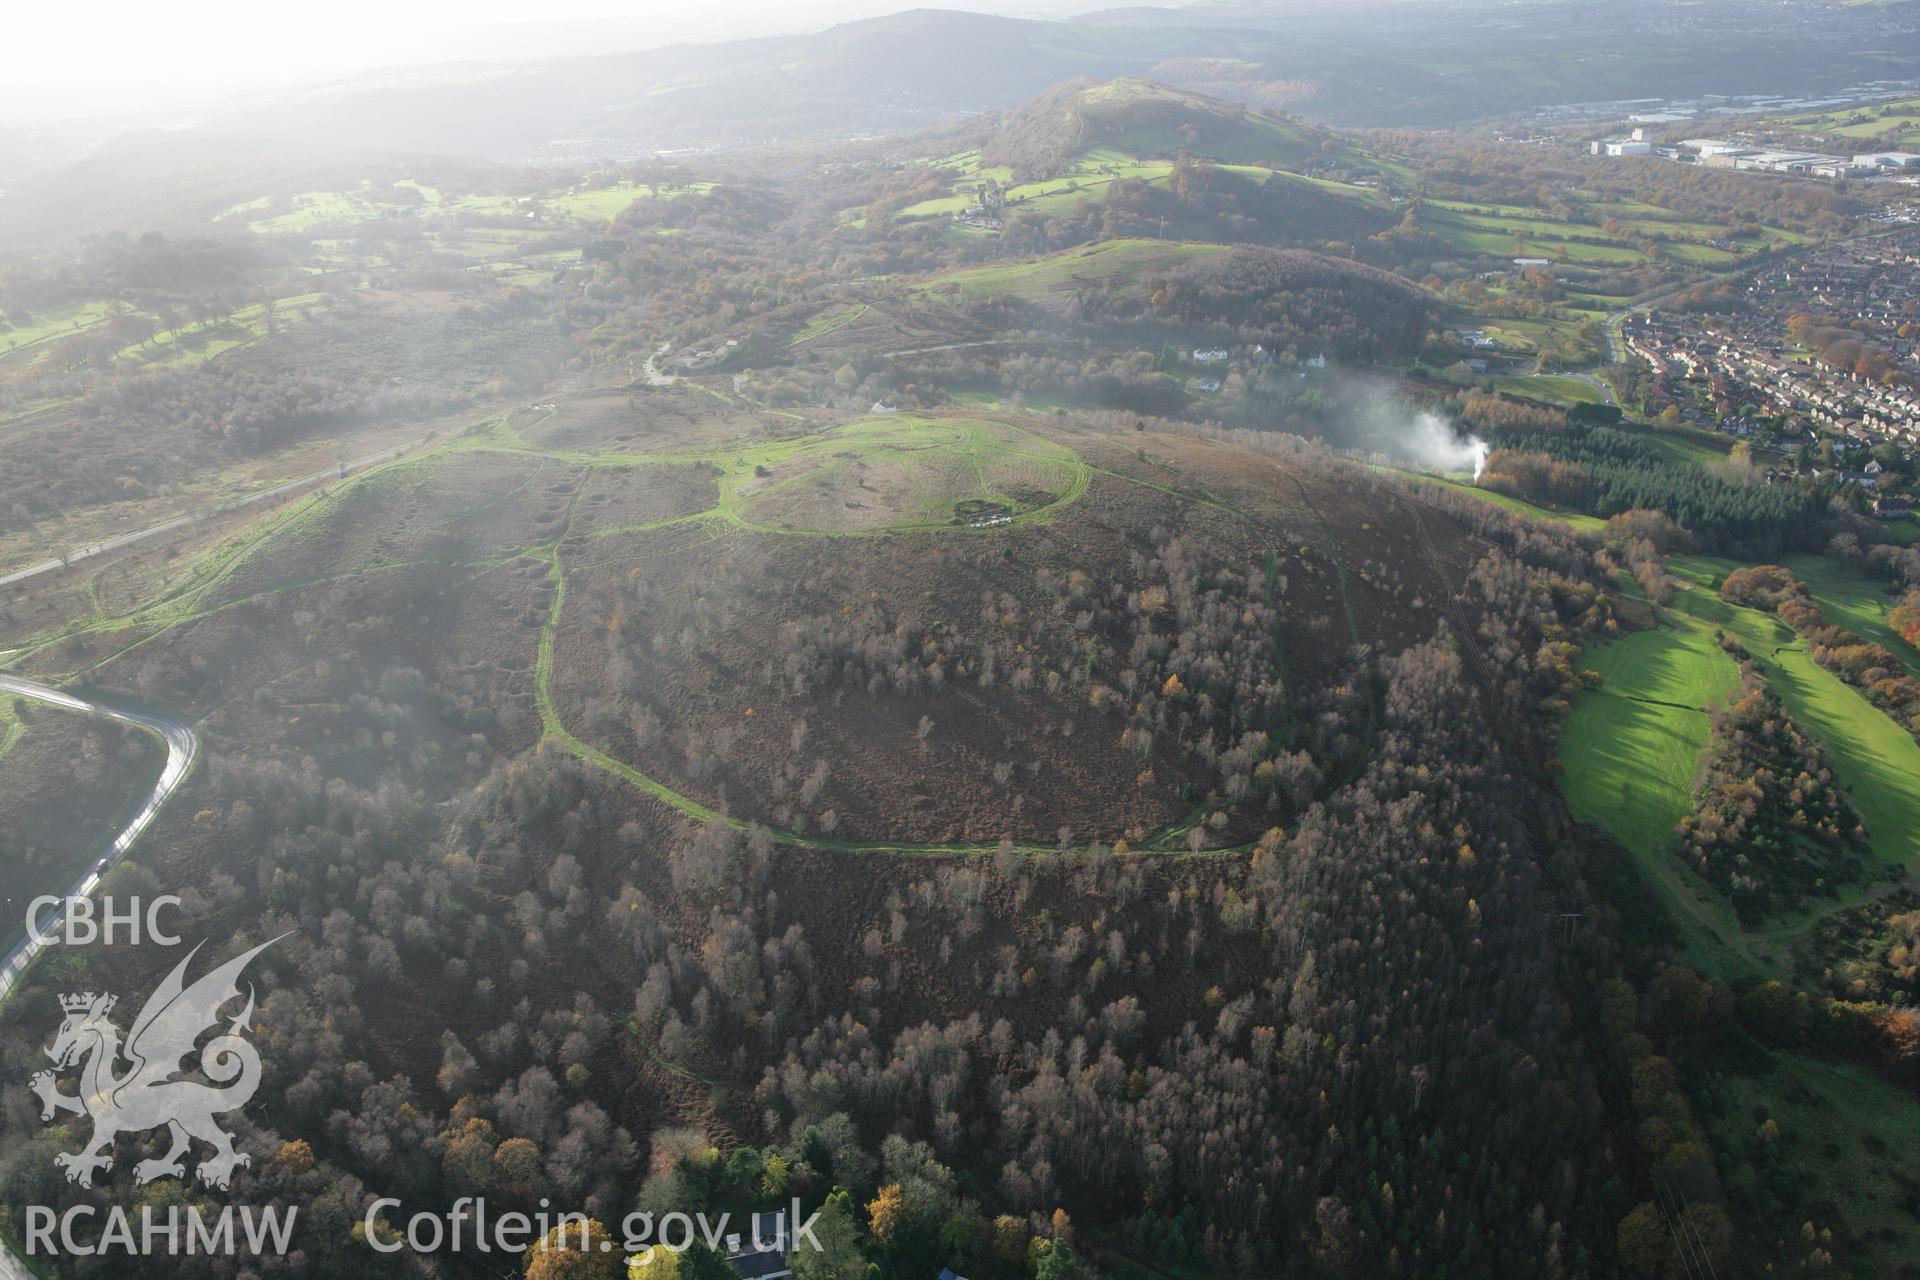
[{"x": 1740, "y": 373}]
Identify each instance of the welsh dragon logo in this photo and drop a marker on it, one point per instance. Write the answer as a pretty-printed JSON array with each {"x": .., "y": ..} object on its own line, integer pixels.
[{"x": 147, "y": 1094}]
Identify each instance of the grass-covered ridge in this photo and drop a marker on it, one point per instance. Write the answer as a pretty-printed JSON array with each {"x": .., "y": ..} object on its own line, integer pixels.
[{"x": 1111, "y": 264}]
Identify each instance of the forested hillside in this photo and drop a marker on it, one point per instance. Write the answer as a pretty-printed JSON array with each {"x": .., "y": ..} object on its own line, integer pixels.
[{"x": 1111, "y": 685}]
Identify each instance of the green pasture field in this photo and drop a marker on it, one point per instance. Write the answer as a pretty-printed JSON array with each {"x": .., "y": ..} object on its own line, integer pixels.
[
  {"x": 1551, "y": 387},
  {"x": 827, "y": 322},
  {"x": 967, "y": 163},
  {"x": 1631, "y": 751},
  {"x": 1901, "y": 127},
  {"x": 60, "y": 322},
  {"x": 1622, "y": 764},
  {"x": 591, "y": 205},
  {"x": 1144, "y": 155},
  {"x": 1850, "y": 597},
  {"x": 1087, "y": 180},
  {"x": 311, "y": 209},
  {"x": 1877, "y": 760},
  {"x": 1630, "y": 756},
  {"x": 1489, "y": 228},
  {"x": 1494, "y": 236},
  {"x": 1519, "y": 506},
  {"x": 1684, "y": 447}
]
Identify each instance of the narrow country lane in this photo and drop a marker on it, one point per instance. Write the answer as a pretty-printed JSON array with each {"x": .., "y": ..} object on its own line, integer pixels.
[{"x": 182, "y": 746}]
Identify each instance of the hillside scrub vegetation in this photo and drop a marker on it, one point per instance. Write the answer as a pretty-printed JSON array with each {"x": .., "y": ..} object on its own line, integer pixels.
[
  {"x": 1772, "y": 827},
  {"x": 1867, "y": 666}
]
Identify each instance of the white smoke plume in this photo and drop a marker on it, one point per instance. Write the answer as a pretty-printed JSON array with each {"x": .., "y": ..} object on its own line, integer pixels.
[
  {"x": 1372, "y": 417},
  {"x": 1382, "y": 422},
  {"x": 1435, "y": 443}
]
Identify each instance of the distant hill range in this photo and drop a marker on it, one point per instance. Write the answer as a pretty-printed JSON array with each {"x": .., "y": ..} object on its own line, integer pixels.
[{"x": 1347, "y": 64}]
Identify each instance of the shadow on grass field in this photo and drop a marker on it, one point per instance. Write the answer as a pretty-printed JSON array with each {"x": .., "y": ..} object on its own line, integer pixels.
[
  {"x": 1632, "y": 750},
  {"x": 1850, "y": 598}
]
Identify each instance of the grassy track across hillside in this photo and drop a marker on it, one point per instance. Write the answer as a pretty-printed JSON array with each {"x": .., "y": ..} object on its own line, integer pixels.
[
  {"x": 12, "y": 727},
  {"x": 970, "y": 453}
]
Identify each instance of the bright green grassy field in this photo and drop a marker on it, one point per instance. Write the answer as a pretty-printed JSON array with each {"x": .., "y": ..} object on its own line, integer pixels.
[
  {"x": 1654, "y": 220},
  {"x": 1631, "y": 753},
  {"x": 968, "y": 163},
  {"x": 1632, "y": 748},
  {"x": 1146, "y": 155},
  {"x": 1489, "y": 228},
  {"x": 1549, "y": 387},
  {"x": 1466, "y": 227},
  {"x": 1903, "y": 126},
  {"x": 1633, "y": 745},
  {"x": 1851, "y": 599},
  {"x": 1682, "y": 447},
  {"x": 311, "y": 209},
  {"x": 827, "y": 322},
  {"x": 56, "y": 323},
  {"x": 1630, "y": 767},
  {"x": 1877, "y": 760},
  {"x": 1088, "y": 179},
  {"x": 592, "y": 205},
  {"x": 1520, "y": 506}
]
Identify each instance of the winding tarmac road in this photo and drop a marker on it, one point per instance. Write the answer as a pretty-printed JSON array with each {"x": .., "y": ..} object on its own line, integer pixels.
[{"x": 183, "y": 744}]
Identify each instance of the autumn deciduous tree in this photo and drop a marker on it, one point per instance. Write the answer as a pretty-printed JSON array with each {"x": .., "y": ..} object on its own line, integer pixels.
[
  {"x": 657, "y": 1263},
  {"x": 1656, "y": 527},
  {"x": 1010, "y": 1239},
  {"x": 887, "y": 1213},
  {"x": 1906, "y": 618},
  {"x": 578, "y": 1250},
  {"x": 517, "y": 1161},
  {"x": 469, "y": 1165}
]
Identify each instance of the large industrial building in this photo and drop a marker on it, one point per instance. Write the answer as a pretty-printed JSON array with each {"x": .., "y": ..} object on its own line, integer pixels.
[
  {"x": 1637, "y": 145},
  {"x": 1719, "y": 154},
  {"x": 1882, "y": 161}
]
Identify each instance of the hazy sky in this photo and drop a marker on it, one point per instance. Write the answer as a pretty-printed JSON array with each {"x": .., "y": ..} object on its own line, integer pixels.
[{"x": 97, "y": 46}]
